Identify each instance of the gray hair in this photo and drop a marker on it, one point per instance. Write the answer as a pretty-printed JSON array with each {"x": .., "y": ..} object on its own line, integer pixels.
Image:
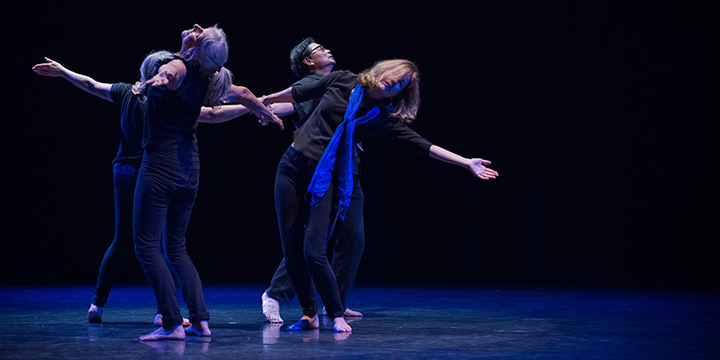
[
  {"x": 219, "y": 87},
  {"x": 212, "y": 52},
  {"x": 151, "y": 63}
]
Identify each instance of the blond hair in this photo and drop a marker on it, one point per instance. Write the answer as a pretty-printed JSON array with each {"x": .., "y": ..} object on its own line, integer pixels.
[{"x": 404, "y": 105}]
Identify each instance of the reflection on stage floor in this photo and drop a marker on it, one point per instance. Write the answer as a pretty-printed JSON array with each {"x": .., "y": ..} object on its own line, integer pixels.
[{"x": 405, "y": 323}]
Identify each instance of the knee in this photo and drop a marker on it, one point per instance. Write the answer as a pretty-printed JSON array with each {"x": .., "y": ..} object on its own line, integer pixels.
[
  {"x": 316, "y": 257},
  {"x": 144, "y": 254},
  {"x": 175, "y": 253}
]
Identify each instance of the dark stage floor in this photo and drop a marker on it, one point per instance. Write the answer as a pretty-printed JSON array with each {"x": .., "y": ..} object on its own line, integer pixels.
[{"x": 404, "y": 323}]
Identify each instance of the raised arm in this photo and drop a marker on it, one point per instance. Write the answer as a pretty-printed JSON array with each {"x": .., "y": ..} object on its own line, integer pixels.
[
  {"x": 245, "y": 97},
  {"x": 53, "y": 68},
  {"x": 475, "y": 165},
  {"x": 220, "y": 114}
]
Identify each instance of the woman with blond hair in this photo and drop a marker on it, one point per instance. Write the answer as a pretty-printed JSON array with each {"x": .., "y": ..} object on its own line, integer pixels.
[{"x": 319, "y": 167}]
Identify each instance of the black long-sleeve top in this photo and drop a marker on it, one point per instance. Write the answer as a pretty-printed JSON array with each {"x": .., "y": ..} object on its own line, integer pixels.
[{"x": 312, "y": 138}]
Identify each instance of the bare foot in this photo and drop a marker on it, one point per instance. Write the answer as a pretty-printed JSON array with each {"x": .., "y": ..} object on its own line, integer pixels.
[
  {"x": 341, "y": 325},
  {"x": 305, "y": 323},
  {"x": 177, "y": 333},
  {"x": 95, "y": 314},
  {"x": 348, "y": 312},
  {"x": 202, "y": 329},
  {"x": 158, "y": 321},
  {"x": 352, "y": 313},
  {"x": 271, "y": 309}
]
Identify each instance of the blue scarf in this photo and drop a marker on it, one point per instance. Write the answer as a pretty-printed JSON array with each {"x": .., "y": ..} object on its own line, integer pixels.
[{"x": 343, "y": 137}]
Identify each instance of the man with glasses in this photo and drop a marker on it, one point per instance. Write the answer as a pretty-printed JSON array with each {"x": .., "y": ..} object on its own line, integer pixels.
[{"x": 310, "y": 61}]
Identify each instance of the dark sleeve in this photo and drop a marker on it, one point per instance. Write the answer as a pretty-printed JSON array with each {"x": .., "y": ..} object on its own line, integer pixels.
[
  {"x": 317, "y": 88},
  {"x": 117, "y": 90},
  {"x": 305, "y": 108},
  {"x": 408, "y": 138}
]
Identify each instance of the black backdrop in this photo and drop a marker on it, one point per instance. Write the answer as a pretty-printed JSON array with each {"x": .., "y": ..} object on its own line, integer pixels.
[{"x": 601, "y": 118}]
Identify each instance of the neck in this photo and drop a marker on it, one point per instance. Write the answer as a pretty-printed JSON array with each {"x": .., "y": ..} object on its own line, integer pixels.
[{"x": 322, "y": 71}]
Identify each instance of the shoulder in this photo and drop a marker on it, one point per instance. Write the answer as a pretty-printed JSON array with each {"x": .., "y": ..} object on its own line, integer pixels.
[
  {"x": 308, "y": 79},
  {"x": 121, "y": 86},
  {"x": 179, "y": 65},
  {"x": 344, "y": 75},
  {"x": 119, "y": 90}
]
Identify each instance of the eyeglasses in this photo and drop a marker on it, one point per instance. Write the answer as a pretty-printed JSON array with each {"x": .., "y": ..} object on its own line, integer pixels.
[{"x": 317, "y": 48}]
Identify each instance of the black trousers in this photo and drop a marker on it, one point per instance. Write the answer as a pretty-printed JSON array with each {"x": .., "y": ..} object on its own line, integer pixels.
[
  {"x": 304, "y": 232},
  {"x": 346, "y": 246},
  {"x": 164, "y": 198},
  {"x": 121, "y": 249}
]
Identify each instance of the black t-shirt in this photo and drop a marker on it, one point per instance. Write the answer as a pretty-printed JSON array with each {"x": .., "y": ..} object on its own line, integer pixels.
[
  {"x": 304, "y": 109},
  {"x": 172, "y": 117},
  {"x": 312, "y": 138},
  {"x": 129, "y": 155}
]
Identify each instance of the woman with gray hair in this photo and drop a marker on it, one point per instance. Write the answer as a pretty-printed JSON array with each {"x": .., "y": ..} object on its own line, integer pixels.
[
  {"x": 125, "y": 166},
  {"x": 169, "y": 175},
  {"x": 127, "y": 161}
]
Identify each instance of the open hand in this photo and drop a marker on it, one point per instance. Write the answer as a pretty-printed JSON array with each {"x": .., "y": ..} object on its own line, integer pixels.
[
  {"x": 50, "y": 68},
  {"x": 477, "y": 167},
  {"x": 162, "y": 78}
]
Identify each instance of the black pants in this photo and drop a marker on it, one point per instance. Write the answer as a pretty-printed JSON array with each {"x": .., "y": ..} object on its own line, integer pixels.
[
  {"x": 121, "y": 249},
  {"x": 164, "y": 198},
  {"x": 304, "y": 231},
  {"x": 346, "y": 246}
]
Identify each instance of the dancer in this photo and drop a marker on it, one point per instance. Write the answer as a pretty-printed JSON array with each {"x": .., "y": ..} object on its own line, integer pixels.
[
  {"x": 383, "y": 100},
  {"x": 169, "y": 174},
  {"x": 126, "y": 164},
  {"x": 311, "y": 61}
]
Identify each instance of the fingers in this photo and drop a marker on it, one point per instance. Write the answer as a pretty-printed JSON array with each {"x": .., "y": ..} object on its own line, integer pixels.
[
  {"x": 490, "y": 174},
  {"x": 154, "y": 82},
  {"x": 264, "y": 121},
  {"x": 486, "y": 173}
]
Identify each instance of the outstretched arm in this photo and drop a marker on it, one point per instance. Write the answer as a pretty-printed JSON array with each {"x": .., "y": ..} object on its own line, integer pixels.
[
  {"x": 245, "y": 97},
  {"x": 282, "y": 109},
  {"x": 475, "y": 165},
  {"x": 284, "y": 96},
  {"x": 220, "y": 114},
  {"x": 53, "y": 68}
]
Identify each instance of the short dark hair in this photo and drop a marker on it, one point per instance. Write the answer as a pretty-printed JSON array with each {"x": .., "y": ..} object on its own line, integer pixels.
[{"x": 298, "y": 54}]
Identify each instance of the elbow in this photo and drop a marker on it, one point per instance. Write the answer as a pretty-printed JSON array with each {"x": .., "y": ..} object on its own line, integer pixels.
[
  {"x": 89, "y": 85},
  {"x": 207, "y": 115},
  {"x": 241, "y": 93}
]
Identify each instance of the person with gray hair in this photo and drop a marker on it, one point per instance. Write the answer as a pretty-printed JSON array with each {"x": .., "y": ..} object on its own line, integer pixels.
[
  {"x": 125, "y": 166},
  {"x": 168, "y": 178},
  {"x": 126, "y": 163}
]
